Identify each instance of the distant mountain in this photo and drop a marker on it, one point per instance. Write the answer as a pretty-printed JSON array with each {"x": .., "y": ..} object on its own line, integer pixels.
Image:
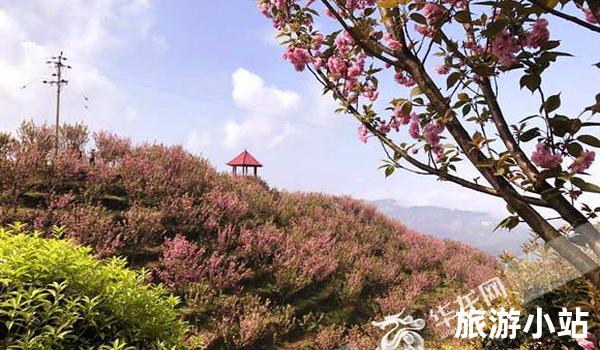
[{"x": 472, "y": 227}]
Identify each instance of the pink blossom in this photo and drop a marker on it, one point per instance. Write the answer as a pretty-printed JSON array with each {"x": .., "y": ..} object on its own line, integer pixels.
[
  {"x": 355, "y": 71},
  {"x": 298, "y": 57},
  {"x": 425, "y": 30},
  {"x": 337, "y": 67},
  {"x": 403, "y": 79},
  {"x": 400, "y": 117},
  {"x": 371, "y": 93},
  {"x": 433, "y": 12},
  {"x": 317, "y": 41},
  {"x": 432, "y": 132},
  {"x": 344, "y": 42},
  {"x": 538, "y": 35},
  {"x": 589, "y": 16},
  {"x": 438, "y": 150},
  {"x": 457, "y": 3},
  {"x": 472, "y": 46},
  {"x": 392, "y": 43},
  {"x": 504, "y": 48},
  {"x": 279, "y": 4},
  {"x": 363, "y": 134},
  {"x": 544, "y": 158},
  {"x": 583, "y": 162},
  {"x": 264, "y": 9},
  {"x": 384, "y": 127},
  {"x": 318, "y": 62},
  {"x": 442, "y": 69},
  {"x": 589, "y": 343},
  {"x": 414, "y": 129}
]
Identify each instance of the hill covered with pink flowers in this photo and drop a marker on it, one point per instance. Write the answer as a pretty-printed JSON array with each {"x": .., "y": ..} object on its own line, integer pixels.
[{"x": 255, "y": 267}]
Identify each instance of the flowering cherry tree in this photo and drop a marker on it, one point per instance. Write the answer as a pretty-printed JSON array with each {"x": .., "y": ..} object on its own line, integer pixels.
[{"x": 536, "y": 163}]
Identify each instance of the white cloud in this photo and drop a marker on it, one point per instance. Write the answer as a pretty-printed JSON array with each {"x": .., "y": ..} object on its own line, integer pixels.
[
  {"x": 198, "y": 141},
  {"x": 87, "y": 31},
  {"x": 268, "y": 111}
]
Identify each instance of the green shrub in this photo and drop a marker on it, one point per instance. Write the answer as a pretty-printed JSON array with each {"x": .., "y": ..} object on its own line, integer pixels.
[{"x": 55, "y": 295}]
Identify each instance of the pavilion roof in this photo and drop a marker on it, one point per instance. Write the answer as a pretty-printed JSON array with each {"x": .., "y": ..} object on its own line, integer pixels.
[{"x": 244, "y": 159}]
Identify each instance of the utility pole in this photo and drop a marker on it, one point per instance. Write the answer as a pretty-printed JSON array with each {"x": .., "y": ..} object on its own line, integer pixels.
[{"x": 59, "y": 64}]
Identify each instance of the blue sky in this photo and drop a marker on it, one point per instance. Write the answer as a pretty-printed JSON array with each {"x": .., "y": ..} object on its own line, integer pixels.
[{"x": 209, "y": 75}]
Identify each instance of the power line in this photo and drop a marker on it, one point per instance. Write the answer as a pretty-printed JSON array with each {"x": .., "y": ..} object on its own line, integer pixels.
[
  {"x": 208, "y": 98},
  {"x": 216, "y": 100}
]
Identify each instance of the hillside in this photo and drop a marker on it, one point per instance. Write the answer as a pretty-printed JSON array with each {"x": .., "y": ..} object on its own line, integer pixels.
[
  {"x": 475, "y": 228},
  {"x": 255, "y": 267}
]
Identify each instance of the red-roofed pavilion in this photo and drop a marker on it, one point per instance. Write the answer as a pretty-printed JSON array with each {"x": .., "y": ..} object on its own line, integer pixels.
[{"x": 244, "y": 160}]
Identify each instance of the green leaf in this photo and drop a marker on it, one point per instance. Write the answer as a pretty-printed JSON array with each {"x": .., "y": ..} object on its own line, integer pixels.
[
  {"x": 529, "y": 134},
  {"x": 416, "y": 91},
  {"x": 389, "y": 170},
  {"x": 508, "y": 223},
  {"x": 590, "y": 140},
  {"x": 574, "y": 149},
  {"x": 463, "y": 16},
  {"x": 531, "y": 81},
  {"x": 560, "y": 125},
  {"x": 419, "y": 18},
  {"x": 585, "y": 186},
  {"x": 452, "y": 79},
  {"x": 552, "y": 103},
  {"x": 495, "y": 27}
]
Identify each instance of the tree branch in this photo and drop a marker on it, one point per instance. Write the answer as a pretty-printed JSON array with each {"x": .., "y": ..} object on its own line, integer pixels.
[
  {"x": 321, "y": 78},
  {"x": 565, "y": 16}
]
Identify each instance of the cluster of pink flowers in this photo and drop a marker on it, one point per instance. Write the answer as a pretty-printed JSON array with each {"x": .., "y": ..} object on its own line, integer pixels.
[
  {"x": 414, "y": 129},
  {"x": 544, "y": 157},
  {"x": 425, "y": 30},
  {"x": 299, "y": 57},
  {"x": 538, "y": 35},
  {"x": 363, "y": 134},
  {"x": 400, "y": 117},
  {"x": 391, "y": 42},
  {"x": 344, "y": 43},
  {"x": 353, "y": 5},
  {"x": 337, "y": 67},
  {"x": 280, "y": 4},
  {"x": 504, "y": 48},
  {"x": 434, "y": 12},
  {"x": 589, "y": 343},
  {"x": 583, "y": 162},
  {"x": 403, "y": 79},
  {"x": 431, "y": 133},
  {"x": 457, "y": 3},
  {"x": 473, "y": 47},
  {"x": 264, "y": 8},
  {"x": 181, "y": 261},
  {"x": 317, "y": 41},
  {"x": 442, "y": 69}
]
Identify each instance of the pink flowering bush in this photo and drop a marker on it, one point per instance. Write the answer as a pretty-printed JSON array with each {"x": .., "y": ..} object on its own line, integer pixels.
[
  {"x": 181, "y": 261},
  {"x": 110, "y": 148},
  {"x": 255, "y": 267}
]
